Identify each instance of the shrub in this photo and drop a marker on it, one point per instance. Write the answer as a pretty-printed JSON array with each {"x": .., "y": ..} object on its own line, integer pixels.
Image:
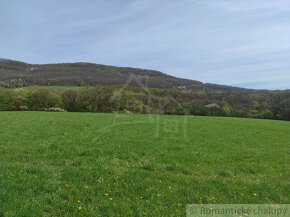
[
  {"x": 44, "y": 98},
  {"x": 55, "y": 109},
  {"x": 23, "y": 108},
  {"x": 69, "y": 99},
  {"x": 11, "y": 100},
  {"x": 3, "y": 84}
]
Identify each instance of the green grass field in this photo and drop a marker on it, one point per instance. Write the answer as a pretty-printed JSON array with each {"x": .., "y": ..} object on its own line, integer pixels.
[{"x": 85, "y": 164}]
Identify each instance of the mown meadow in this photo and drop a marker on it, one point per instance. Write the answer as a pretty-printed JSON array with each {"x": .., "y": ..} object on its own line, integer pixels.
[{"x": 93, "y": 164}]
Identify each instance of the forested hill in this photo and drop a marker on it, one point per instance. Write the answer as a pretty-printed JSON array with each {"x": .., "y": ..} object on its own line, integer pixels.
[
  {"x": 78, "y": 74},
  {"x": 190, "y": 97}
]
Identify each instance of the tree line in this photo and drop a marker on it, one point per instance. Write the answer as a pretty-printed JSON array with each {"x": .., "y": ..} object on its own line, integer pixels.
[{"x": 253, "y": 104}]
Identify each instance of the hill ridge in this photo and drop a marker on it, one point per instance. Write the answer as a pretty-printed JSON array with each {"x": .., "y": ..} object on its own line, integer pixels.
[{"x": 85, "y": 73}]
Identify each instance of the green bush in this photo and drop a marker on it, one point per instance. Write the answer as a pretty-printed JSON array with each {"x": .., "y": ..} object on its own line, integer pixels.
[
  {"x": 11, "y": 100},
  {"x": 43, "y": 98},
  {"x": 69, "y": 99}
]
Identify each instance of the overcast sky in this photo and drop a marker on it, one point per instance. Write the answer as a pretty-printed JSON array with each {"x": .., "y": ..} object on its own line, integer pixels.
[{"x": 243, "y": 43}]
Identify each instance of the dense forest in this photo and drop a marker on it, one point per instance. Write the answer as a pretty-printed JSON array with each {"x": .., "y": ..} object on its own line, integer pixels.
[{"x": 253, "y": 104}]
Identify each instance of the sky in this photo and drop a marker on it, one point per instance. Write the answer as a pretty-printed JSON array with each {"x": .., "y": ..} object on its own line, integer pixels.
[{"x": 243, "y": 43}]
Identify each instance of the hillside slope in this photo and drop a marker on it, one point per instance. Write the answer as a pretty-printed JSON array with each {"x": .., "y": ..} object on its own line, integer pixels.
[{"x": 94, "y": 74}]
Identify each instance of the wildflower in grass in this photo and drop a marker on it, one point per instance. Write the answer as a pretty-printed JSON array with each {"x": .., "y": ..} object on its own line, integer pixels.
[
  {"x": 177, "y": 210},
  {"x": 133, "y": 165},
  {"x": 106, "y": 194},
  {"x": 141, "y": 197},
  {"x": 158, "y": 195},
  {"x": 246, "y": 214},
  {"x": 169, "y": 187},
  {"x": 86, "y": 186},
  {"x": 160, "y": 180},
  {"x": 198, "y": 165},
  {"x": 255, "y": 194},
  {"x": 213, "y": 198},
  {"x": 79, "y": 208},
  {"x": 200, "y": 198},
  {"x": 111, "y": 198},
  {"x": 78, "y": 201},
  {"x": 66, "y": 185},
  {"x": 128, "y": 166}
]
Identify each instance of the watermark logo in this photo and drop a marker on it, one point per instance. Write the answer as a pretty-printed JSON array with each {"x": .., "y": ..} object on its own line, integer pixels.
[
  {"x": 238, "y": 210},
  {"x": 172, "y": 127}
]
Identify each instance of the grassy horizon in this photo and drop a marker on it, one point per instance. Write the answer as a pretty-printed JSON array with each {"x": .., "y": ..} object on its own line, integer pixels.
[{"x": 94, "y": 164}]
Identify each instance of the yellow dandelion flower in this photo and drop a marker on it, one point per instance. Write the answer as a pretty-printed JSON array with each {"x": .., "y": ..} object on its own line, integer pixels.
[
  {"x": 169, "y": 187},
  {"x": 200, "y": 198},
  {"x": 177, "y": 210},
  {"x": 128, "y": 166},
  {"x": 160, "y": 180},
  {"x": 79, "y": 208},
  {"x": 158, "y": 195},
  {"x": 255, "y": 194},
  {"x": 66, "y": 185},
  {"x": 141, "y": 197},
  {"x": 86, "y": 186},
  {"x": 106, "y": 194},
  {"x": 78, "y": 201},
  {"x": 213, "y": 198},
  {"x": 111, "y": 198},
  {"x": 246, "y": 214}
]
